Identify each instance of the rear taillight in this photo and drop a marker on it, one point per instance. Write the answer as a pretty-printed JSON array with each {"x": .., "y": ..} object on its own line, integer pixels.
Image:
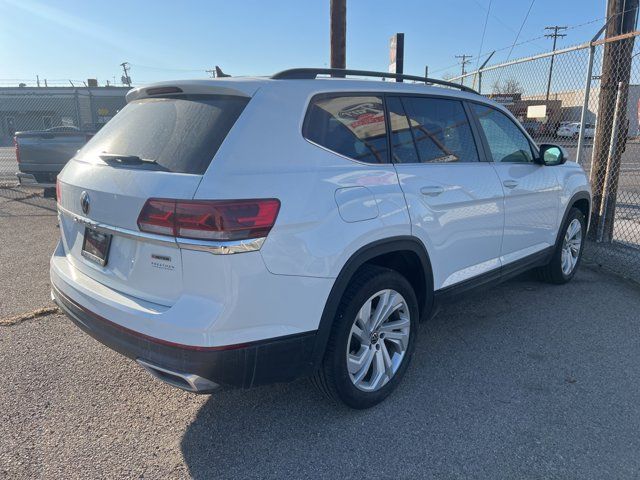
[
  {"x": 209, "y": 219},
  {"x": 158, "y": 216},
  {"x": 17, "y": 145},
  {"x": 58, "y": 192}
]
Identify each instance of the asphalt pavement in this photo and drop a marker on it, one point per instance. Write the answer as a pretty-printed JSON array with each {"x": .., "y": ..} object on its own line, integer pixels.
[{"x": 525, "y": 380}]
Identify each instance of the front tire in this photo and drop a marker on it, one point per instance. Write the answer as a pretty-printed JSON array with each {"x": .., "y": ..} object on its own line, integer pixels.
[
  {"x": 568, "y": 253},
  {"x": 372, "y": 339}
]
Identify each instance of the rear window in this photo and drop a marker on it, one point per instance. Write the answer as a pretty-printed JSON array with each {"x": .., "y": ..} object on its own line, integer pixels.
[
  {"x": 181, "y": 134},
  {"x": 352, "y": 126}
]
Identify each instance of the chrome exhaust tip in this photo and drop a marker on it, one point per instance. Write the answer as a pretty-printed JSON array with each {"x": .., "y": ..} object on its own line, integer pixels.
[{"x": 185, "y": 381}]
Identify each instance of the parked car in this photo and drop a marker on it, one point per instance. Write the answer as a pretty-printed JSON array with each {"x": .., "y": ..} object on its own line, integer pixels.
[
  {"x": 244, "y": 231},
  {"x": 41, "y": 154},
  {"x": 533, "y": 127},
  {"x": 572, "y": 130}
]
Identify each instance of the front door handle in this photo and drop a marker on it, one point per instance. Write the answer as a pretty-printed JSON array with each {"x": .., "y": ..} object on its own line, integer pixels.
[
  {"x": 432, "y": 190},
  {"x": 510, "y": 183}
]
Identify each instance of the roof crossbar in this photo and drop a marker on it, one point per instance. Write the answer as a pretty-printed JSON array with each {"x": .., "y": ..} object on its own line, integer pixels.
[{"x": 312, "y": 73}]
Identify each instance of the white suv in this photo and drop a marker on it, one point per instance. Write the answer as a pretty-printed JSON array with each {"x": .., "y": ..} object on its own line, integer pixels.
[{"x": 243, "y": 231}]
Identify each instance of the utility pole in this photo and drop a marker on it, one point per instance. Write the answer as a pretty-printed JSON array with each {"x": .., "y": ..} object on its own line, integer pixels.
[
  {"x": 126, "y": 79},
  {"x": 611, "y": 128},
  {"x": 463, "y": 62},
  {"x": 426, "y": 71},
  {"x": 338, "y": 14},
  {"x": 38, "y": 80},
  {"x": 554, "y": 35}
]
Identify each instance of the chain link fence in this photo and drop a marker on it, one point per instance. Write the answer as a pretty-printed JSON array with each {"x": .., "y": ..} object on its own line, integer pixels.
[
  {"x": 585, "y": 98},
  {"x": 50, "y": 123}
]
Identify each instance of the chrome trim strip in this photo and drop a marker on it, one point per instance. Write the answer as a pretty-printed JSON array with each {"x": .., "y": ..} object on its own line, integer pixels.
[
  {"x": 222, "y": 248},
  {"x": 214, "y": 247},
  {"x": 123, "y": 232}
]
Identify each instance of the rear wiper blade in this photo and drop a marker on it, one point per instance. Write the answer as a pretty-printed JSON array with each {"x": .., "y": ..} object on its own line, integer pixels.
[{"x": 125, "y": 159}]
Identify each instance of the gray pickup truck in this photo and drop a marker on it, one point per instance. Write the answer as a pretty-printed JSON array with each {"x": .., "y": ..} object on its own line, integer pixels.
[{"x": 42, "y": 154}]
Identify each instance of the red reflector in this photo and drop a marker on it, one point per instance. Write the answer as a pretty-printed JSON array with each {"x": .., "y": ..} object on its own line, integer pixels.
[{"x": 209, "y": 219}]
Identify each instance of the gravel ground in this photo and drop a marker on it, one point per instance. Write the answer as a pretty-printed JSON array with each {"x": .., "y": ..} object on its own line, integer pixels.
[
  {"x": 28, "y": 236},
  {"x": 525, "y": 380}
]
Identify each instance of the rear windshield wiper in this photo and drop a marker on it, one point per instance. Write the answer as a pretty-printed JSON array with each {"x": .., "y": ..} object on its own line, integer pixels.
[{"x": 125, "y": 159}]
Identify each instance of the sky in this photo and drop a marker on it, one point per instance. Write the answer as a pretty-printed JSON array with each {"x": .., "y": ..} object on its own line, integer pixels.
[{"x": 74, "y": 40}]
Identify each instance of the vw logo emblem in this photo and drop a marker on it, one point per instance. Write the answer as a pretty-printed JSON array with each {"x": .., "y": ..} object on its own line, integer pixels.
[{"x": 85, "y": 202}]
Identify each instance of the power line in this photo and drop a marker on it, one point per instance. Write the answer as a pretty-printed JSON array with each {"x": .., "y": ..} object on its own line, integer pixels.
[
  {"x": 516, "y": 39},
  {"x": 524, "y": 42},
  {"x": 167, "y": 69},
  {"x": 484, "y": 30},
  {"x": 520, "y": 29},
  {"x": 499, "y": 20}
]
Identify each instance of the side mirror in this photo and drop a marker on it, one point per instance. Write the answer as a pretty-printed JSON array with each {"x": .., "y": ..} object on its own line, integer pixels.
[{"x": 551, "y": 155}]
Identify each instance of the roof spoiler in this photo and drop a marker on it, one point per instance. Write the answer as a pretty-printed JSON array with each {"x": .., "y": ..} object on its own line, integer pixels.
[{"x": 159, "y": 90}]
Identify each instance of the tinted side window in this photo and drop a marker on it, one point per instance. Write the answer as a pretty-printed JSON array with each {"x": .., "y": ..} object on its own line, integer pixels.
[
  {"x": 352, "y": 126},
  {"x": 506, "y": 141},
  {"x": 440, "y": 130},
  {"x": 402, "y": 145}
]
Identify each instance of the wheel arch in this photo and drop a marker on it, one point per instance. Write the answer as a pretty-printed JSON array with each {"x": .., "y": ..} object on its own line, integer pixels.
[
  {"x": 580, "y": 200},
  {"x": 395, "y": 253}
]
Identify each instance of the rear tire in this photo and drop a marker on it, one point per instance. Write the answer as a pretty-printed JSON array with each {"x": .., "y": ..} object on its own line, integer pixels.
[
  {"x": 369, "y": 349},
  {"x": 568, "y": 253},
  {"x": 49, "y": 192}
]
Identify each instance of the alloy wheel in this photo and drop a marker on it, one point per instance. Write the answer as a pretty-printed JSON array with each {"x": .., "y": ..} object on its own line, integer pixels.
[
  {"x": 378, "y": 340},
  {"x": 571, "y": 247}
]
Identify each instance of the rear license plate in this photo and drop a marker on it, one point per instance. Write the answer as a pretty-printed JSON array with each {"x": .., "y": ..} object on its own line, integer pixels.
[{"x": 95, "y": 246}]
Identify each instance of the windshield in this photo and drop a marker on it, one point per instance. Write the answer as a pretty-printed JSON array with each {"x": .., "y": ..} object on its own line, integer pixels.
[{"x": 181, "y": 134}]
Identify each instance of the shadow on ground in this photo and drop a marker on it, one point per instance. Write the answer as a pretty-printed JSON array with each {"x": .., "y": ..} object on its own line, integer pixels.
[{"x": 525, "y": 380}]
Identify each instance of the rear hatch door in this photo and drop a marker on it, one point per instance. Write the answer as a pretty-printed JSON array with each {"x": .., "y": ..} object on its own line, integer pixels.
[{"x": 153, "y": 148}]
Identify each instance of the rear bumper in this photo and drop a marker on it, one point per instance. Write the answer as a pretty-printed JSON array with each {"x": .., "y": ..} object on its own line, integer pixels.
[{"x": 257, "y": 363}]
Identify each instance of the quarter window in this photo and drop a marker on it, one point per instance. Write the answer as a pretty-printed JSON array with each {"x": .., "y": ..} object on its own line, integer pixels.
[
  {"x": 506, "y": 141},
  {"x": 438, "y": 128},
  {"x": 352, "y": 126}
]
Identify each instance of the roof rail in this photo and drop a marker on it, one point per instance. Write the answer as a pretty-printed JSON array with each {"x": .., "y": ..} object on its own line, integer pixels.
[{"x": 312, "y": 73}]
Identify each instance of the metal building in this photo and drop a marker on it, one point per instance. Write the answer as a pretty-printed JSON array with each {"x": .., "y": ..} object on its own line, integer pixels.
[{"x": 40, "y": 108}]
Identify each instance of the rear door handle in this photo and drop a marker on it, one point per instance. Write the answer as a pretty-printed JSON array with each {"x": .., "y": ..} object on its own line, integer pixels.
[
  {"x": 432, "y": 190},
  {"x": 510, "y": 183}
]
